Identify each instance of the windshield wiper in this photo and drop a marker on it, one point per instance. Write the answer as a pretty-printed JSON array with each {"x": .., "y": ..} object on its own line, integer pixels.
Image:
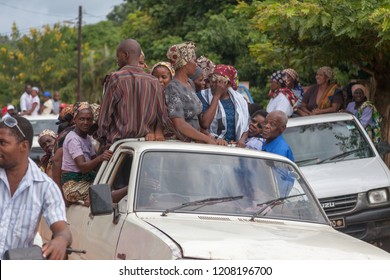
[
  {"x": 305, "y": 160},
  {"x": 203, "y": 202},
  {"x": 342, "y": 155},
  {"x": 271, "y": 203}
]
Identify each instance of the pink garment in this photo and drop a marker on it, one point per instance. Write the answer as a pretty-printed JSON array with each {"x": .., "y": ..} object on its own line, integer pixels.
[{"x": 75, "y": 146}]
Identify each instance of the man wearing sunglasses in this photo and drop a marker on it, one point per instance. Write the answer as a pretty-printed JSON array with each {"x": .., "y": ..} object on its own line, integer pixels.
[{"x": 26, "y": 194}]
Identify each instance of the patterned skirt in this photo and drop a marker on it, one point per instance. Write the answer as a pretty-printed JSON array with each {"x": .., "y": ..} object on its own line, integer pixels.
[{"x": 75, "y": 186}]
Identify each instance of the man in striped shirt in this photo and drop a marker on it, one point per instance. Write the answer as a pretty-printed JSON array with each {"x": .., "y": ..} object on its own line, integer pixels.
[
  {"x": 26, "y": 194},
  {"x": 133, "y": 104}
]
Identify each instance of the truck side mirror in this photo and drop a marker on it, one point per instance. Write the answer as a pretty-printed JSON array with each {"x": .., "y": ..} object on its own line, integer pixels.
[{"x": 100, "y": 199}]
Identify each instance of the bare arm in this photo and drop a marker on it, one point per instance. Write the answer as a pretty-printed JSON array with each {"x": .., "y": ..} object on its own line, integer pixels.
[
  {"x": 187, "y": 130},
  {"x": 242, "y": 141},
  {"x": 332, "y": 109},
  {"x": 303, "y": 111},
  {"x": 56, "y": 170},
  {"x": 207, "y": 117},
  {"x": 55, "y": 249},
  {"x": 29, "y": 112},
  {"x": 86, "y": 166}
]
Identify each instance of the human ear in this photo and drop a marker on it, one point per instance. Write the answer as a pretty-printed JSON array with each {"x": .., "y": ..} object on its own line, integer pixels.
[{"x": 25, "y": 146}]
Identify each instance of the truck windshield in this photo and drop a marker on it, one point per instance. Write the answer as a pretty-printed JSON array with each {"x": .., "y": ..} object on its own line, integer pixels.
[
  {"x": 223, "y": 185},
  {"x": 327, "y": 142}
]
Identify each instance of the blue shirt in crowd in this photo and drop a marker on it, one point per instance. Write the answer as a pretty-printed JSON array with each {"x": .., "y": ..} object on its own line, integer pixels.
[{"x": 279, "y": 146}]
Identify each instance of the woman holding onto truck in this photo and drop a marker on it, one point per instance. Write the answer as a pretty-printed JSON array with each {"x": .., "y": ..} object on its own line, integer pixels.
[
  {"x": 323, "y": 97},
  {"x": 183, "y": 106},
  {"x": 79, "y": 159}
]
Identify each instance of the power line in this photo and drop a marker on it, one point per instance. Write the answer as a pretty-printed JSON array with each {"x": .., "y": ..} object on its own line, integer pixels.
[
  {"x": 31, "y": 11},
  {"x": 91, "y": 15}
]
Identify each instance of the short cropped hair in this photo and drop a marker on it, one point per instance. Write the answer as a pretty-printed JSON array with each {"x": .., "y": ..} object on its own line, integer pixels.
[{"x": 25, "y": 126}]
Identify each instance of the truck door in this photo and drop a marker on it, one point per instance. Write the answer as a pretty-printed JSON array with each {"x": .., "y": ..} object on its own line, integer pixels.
[{"x": 102, "y": 232}]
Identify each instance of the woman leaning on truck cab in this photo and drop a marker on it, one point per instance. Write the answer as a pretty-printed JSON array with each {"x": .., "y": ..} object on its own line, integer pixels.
[
  {"x": 323, "y": 97},
  {"x": 79, "y": 159}
]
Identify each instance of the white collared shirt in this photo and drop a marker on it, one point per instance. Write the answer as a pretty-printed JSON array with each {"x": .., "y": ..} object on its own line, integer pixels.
[{"x": 36, "y": 195}]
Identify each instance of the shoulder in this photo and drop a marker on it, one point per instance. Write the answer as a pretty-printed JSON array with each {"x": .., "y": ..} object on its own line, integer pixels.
[
  {"x": 173, "y": 87},
  {"x": 36, "y": 174},
  {"x": 70, "y": 136}
]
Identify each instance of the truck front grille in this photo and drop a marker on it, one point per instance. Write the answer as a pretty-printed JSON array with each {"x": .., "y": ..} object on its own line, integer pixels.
[{"x": 339, "y": 204}]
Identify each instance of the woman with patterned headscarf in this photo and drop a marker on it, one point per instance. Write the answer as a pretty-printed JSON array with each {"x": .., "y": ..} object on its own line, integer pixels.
[
  {"x": 225, "y": 111},
  {"x": 281, "y": 97},
  {"x": 366, "y": 112},
  {"x": 207, "y": 67},
  {"x": 164, "y": 72},
  {"x": 323, "y": 97},
  {"x": 79, "y": 159},
  {"x": 46, "y": 140},
  {"x": 183, "y": 105},
  {"x": 292, "y": 82}
]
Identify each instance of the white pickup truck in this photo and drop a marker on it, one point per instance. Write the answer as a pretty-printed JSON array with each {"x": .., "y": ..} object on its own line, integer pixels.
[
  {"x": 197, "y": 201},
  {"x": 346, "y": 173}
]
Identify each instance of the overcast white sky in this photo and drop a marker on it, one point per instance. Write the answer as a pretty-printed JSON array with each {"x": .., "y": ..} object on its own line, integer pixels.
[{"x": 36, "y": 13}]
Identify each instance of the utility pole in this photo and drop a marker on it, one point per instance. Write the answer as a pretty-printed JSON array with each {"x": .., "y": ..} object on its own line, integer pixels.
[{"x": 79, "y": 74}]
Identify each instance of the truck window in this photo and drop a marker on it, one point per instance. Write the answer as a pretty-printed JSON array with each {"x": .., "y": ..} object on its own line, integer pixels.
[{"x": 121, "y": 175}]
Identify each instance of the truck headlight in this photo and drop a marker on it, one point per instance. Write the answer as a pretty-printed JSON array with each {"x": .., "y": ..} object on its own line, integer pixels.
[{"x": 377, "y": 196}]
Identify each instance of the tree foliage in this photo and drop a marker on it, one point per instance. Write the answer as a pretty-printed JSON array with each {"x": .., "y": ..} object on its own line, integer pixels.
[{"x": 257, "y": 37}]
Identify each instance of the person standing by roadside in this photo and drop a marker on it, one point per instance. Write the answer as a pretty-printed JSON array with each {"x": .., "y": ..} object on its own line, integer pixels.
[
  {"x": 56, "y": 103},
  {"x": 34, "y": 105},
  {"x": 27, "y": 194},
  {"x": 47, "y": 106},
  {"x": 8, "y": 111},
  {"x": 133, "y": 102},
  {"x": 25, "y": 99},
  {"x": 366, "y": 112}
]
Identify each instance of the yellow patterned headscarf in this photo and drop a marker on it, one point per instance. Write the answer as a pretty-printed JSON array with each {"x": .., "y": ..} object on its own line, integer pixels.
[
  {"x": 165, "y": 64},
  {"x": 80, "y": 106},
  {"x": 180, "y": 54},
  {"x": 327, "y": 71},
  {"x": 47, "y": 132}
]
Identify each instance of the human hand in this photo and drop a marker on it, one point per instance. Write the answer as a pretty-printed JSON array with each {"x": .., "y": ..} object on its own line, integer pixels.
[
  {"x": 106, "y": 155},
  {"x": 150, "y": 137},
  {"x": 221, "y": 142},
  {"x": 211, "y": 140},
  {"x": 317, "y": 111},
  {"x": 159, "y": 137},
  {"x": 219, "y": 88},
  {"x": 240, "y": 144},
  {"x": 55, "y": 249}
]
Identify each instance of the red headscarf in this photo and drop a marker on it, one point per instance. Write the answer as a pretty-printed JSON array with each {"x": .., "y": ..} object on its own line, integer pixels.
[{"x": 229, "y": 72}]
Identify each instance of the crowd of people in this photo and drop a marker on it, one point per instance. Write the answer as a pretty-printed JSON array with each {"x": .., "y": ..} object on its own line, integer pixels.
[
  {"x": 32, "y": 105},
  {"x": 187, "y": 98}
]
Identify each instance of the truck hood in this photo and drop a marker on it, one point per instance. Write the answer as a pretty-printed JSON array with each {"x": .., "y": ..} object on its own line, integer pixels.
[
  {"x": 213, "y": 237},
  {"x": 346, "y": 177}
]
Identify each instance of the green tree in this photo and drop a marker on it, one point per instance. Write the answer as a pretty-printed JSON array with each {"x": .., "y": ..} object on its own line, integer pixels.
[{"x": 353, "y": 37}]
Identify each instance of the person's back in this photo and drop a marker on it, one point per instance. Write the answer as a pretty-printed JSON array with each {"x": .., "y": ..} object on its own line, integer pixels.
[
  {"x": 133, "y": 101},
  {"x": 47, "y": 106},
  {"x": 25, "y": 99}
]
